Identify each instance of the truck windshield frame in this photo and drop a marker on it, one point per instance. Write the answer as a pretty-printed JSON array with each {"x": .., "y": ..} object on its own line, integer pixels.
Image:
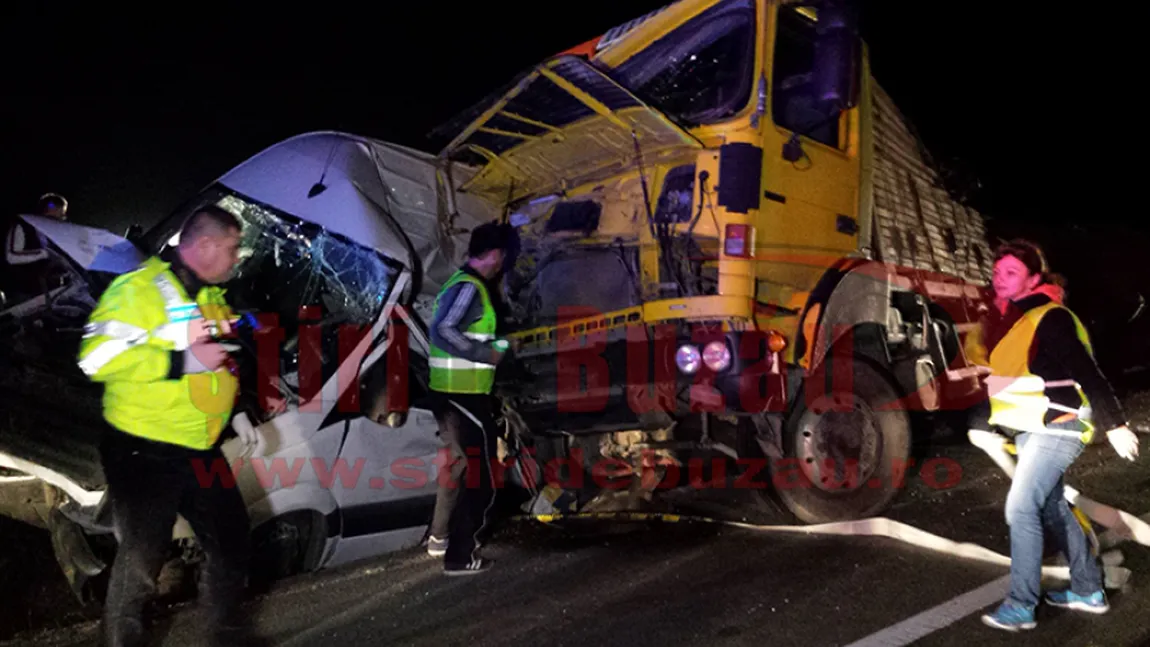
[{"x": 702, "y": 72}]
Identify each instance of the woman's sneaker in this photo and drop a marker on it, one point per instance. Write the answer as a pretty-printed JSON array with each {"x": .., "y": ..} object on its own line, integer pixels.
[
  {"x": 1093, "y": 603},
  {"x": 1010, "y": 617},
  {"x": 436, "y": 547},
  {"x": 468, "y": 568}
]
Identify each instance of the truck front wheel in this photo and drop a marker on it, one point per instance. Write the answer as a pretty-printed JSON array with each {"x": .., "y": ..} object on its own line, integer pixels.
[{"x": 846, "y": 445}]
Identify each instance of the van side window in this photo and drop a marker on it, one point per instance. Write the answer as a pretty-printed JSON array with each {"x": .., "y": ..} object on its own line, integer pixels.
[{"x": 793, "y": 104}]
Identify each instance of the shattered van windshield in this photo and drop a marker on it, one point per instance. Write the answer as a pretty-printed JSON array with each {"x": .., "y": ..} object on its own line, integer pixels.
[
  {"x": 286, "y": 265},
  {"x": 311, "y": 284}
]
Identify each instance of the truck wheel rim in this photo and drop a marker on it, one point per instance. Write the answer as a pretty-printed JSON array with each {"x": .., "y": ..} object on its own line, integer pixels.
[{"x": 838, "y": 444}]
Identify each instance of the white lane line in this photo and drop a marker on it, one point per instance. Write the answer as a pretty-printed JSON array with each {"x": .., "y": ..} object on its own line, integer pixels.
[{"x": 945, "y": 614}]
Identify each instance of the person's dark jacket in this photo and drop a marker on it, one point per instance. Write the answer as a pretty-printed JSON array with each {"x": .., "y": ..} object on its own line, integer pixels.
[{"x": 458, "y": 308}]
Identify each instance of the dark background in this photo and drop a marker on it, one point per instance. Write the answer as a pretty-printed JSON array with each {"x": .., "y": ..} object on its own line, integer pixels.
[{"x": 129, "y": 113}]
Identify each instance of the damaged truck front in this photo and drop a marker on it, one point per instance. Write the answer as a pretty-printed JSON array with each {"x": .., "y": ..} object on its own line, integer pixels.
[{"x": 732, "y": 246}]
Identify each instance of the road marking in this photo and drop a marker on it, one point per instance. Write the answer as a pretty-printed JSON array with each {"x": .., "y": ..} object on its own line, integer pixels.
[{"x": 945, "y": 614}]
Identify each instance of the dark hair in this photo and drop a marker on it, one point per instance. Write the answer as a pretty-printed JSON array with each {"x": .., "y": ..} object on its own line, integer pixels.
[
  {"x": 488, "y": 236},
  {"x": 1054, "y": 278},
  {"x": 1030, "y": 254},
  {"x": 208, "y": 220}
]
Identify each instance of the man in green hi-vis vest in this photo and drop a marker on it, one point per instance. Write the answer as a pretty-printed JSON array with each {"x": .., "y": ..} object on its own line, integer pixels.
[{"x": 464, "y": 354}]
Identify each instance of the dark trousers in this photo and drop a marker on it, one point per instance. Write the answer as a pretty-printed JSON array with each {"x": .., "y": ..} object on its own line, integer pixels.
[
  {"x": 450, "y": 480},
  {"x": 148, "y": 484},
  {"x": 466, "y": 499}
]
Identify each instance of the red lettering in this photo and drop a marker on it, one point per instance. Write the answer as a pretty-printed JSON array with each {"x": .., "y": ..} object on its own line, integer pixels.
[
  {"x": 704, "y": 396},
  {"x": 279, "y": 472},
  {"x": 474, "y": 467},
  {"x": 528, "y": 468},
  {"x": 207, "y": 478},
  {"x": 648, "y": 464},
  {"x": 397, "y": 364},
  {"x": 580, "y": 361},
  {"x": 718, "y": 473},
  {"x": 574, "y": 462},
  {"x": 841, "y": 375},
  {"x": 499, "y": 470},
  {"x": 645, "y": 395},
  {"x": 850, "y": 472},
  {"x": 761, "y": 385},
  {"x": 310, "y": 350},
  {"x": 898, "y": 471},
  {"x": 411, "y": 469},
  {"x": 930, "y": 473},
  {"x": 327, "y": 477},
  {"x": 750, "y": 467},
  {"x": 268, "y": 345},
  {"x": 618, "y": 478},
  {"x": 445, "y": 462},
  {"x": 842, "y": 370},
  {"x": 788, "y": 474},
  {"x": 350, "y": 337}
]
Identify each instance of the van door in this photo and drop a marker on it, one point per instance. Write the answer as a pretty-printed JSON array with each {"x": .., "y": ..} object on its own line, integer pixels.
[{"x": 396, "y": 465}]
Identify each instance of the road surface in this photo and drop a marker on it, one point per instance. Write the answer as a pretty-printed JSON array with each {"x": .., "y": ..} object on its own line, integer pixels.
[{"x": 690, "y": 583}]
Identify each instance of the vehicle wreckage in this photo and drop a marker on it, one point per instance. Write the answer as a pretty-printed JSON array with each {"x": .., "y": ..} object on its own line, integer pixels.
[{"x": 720, "y": 214}]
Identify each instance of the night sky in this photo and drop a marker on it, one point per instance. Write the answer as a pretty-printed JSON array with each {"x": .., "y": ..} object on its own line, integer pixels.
[{"x": 127, "y": 115}]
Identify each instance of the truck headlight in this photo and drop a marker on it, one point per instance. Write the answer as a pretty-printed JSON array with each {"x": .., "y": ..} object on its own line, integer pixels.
[
  {"x": 717, "y": 356},
  {"x": 687, "y": 358}
]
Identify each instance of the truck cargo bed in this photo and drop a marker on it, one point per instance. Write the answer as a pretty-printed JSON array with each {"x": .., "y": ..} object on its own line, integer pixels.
[{"x": 917, "y": 224}]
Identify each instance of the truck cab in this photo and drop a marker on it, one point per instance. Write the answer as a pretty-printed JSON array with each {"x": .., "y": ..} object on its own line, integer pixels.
[{"x": 731, "y": 242}]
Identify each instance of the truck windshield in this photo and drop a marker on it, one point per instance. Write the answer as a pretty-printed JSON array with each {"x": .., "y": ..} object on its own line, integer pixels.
[{"x": 700, "y": 73}]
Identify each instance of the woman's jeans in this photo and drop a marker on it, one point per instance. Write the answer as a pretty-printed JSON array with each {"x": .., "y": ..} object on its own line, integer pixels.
[{"x": 1036, "y": 500}]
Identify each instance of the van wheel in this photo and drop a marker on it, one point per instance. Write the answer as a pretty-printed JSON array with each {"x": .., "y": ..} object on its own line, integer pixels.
[
  {"x": 279, "y": 548},
  {"x": 846, "y": 445}
]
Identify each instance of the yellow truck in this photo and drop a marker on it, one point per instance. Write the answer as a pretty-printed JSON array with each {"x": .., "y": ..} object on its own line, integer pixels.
[{"x": 732, "y": 243}]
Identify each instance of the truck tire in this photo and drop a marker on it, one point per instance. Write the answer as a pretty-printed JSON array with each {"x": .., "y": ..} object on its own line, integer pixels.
[{"x": 846, "y": 446}]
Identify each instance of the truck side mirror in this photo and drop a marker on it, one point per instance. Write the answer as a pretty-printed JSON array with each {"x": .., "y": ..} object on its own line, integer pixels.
[{"x": 838, "y": 54}]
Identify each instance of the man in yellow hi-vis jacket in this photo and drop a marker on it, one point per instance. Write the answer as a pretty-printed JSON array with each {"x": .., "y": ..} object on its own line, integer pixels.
[{"x": 168, "y": 395}]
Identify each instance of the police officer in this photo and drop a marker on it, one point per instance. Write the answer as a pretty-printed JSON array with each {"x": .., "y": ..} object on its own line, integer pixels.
[
  {"x": 168, "y": 395},
  {"x": 464, "y": 356}
]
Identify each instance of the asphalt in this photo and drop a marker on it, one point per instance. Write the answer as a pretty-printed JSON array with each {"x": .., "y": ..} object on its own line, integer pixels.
[{"x": 660, "y": 584}]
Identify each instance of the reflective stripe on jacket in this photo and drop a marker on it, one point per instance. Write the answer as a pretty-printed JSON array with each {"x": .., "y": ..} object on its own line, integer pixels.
[
  {"x": 451, "y": 374},
  {"x": 1017, "y": 396},
  {"x": 140, "y": 320}
]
